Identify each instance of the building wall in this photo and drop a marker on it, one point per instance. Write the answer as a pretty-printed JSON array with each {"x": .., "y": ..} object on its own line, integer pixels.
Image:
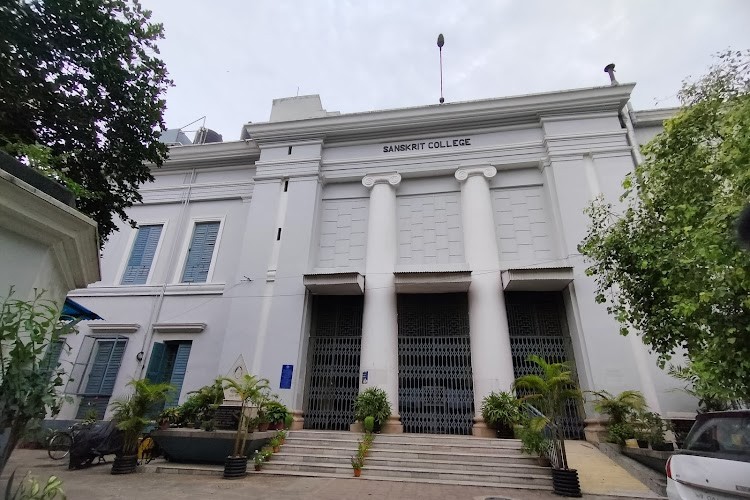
[{"x": 297, "y": 205}]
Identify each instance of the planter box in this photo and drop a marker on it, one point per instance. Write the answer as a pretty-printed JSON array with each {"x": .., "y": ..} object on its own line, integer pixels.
[
  {"x": 191, "y": 445},
  {"x": 656, "y": 460}
]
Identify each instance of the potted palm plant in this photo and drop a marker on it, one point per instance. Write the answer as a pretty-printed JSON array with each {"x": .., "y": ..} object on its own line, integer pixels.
[
  {"x": 550, "y": 389},
  {"x": 372, "y": 402},
  {"x": 501, "y": 410},
  {"x": 130, "y": 413},
  {"x": 249, "y": 389}
]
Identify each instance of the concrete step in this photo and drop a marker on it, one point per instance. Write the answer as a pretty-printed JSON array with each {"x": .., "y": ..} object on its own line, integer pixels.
[
  {"x": 303, "y": 449},
  {"x": 322, "y": 443},
  {"x": 507, "y": 470},
  {"x": 456, "y": 457},
  {"x": 376, "y": 475},
  {"x": 451, "y": 448}
]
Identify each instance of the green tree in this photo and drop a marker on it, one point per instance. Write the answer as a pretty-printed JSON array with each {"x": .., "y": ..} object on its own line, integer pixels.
[
  {"x": 80, "y": 79},
  {"x": 249, "y": 389},
  {"x": 27, "y": 384},
  {"x": 669, "y": 264}
]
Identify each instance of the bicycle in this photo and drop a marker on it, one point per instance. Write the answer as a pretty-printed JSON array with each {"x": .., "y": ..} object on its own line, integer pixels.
[
  {"x": 59, "y": 444},
  {"x": 147, "y": 449}
]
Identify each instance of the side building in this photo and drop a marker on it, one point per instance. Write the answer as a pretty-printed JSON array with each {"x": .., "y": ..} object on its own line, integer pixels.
[{"x": 427, "y": 251}]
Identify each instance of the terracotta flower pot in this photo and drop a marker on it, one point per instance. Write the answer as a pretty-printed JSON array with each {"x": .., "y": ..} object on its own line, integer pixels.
[
  {"x": 263, "y": 426},
  {"x": 257, "y": 467},
  {"x": 357, "y": 472},
  {"x": 276, "y": 449}
]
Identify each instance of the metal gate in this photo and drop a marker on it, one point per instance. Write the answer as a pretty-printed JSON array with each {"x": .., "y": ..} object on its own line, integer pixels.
[
  {"x": 538, "y": 326},
  {"x": 333, "y": 362},
  {"x": 435, "y": 388}
]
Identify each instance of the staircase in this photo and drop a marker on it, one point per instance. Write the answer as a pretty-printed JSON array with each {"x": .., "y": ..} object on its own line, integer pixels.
[{"x": 435, "y": 459}]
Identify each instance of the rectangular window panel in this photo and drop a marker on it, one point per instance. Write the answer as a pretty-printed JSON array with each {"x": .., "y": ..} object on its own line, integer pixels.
[
  {"x": 51, "y": 358},
  {"x": 142, "y": 255},
  {"x": 102, "y": 376},
  {"x": 201, "y": 251},
  {"x": 179, "y": 369}
]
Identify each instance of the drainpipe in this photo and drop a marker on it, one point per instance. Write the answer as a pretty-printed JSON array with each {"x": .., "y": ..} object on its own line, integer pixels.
[{"x": 156, "y": 309}]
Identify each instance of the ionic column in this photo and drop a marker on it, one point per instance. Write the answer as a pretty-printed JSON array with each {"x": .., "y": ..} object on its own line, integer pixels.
[
  {"x": 491, "y": 360},
  {"x": 379, "y": 355}
]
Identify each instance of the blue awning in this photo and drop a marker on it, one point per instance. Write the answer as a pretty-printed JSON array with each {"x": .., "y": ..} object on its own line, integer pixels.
[{"x": 75, "y": 310}]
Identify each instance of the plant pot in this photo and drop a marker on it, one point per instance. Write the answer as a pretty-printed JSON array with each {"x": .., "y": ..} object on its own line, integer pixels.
[
  {"x": 258, "y": 467},
  {"x": 544, "y": 461},
  {"x": 276, "y": 449},
  {"x": 504, "y": 431},
  {"x": 357, "y": 472},
  {"x": 565, "y": 482},
  {"x": 642, "y": 443},
  {"x": 262, "y": 427},
  {"x": 662, "y": 447},
  {"x": 125, "y": 464},
  {"x": 235, "y": 467}
]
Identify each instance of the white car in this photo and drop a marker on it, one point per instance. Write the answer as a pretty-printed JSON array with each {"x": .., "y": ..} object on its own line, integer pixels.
[{"x": 714, "y": 462}]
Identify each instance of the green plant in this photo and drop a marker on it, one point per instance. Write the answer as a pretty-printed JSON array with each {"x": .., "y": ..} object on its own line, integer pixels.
[
  {"x": 275, "y": 412},
  {"x": 369, "y": 423},
  {"x": 621, "y": 431},
  {"x": 368, "y": 438},
  {"x": 208, "y": 425},
  {"x": 288, "y": 420},
  {"x": 655, "y": 427},
  {"x": 170, "y": 415},
  {"x": 131, "y": 412},
  {"x": 267, "y": 453},
  {"x": 501, "y": 409},
  {"x": 201, "y": 404},
  {"x": 533, "y": 441},
  {"x": 274, "y": 442},
  {"x": 282, "y": 434},
  {"x": 259, "y": 458},
  {"x": 372, "y": 402},
  {"x": 28, "y": 382},
  {"x": 31, "y": 489},
  {"x": 248, "y": 388},
  {"x": 90, "y": 417},
  {"x": 550, "y": 389},
  {"x": 620, "y": 408},
  {"x": 358, "y": 461}
]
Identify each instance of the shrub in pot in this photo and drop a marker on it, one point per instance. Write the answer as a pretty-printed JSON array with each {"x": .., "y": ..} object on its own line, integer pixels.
[
  {"x": 288, "y": 421},
  {"x": 657, "y": 427},
  {"x": 369, "y": 423},
  {"x": 620, "y": 432},
  {"x": 130, "y": 413},
  {"x": 248, "y": 389},
  {"x": 358, "y": 462},
  {"x": 534, "y": 442},
  {"x": 258, "y": 460},
  {"x": 501, "y": 410},
  {"x": 276, "y": 413},
  {"x": 372, "y": 402}
]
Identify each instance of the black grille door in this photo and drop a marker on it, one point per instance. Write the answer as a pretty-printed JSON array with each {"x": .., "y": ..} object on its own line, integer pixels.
[
  {"x": 333, "y": 362},
  {"x": 434, "y": 355},
  {"x": 538, "y": 326}
]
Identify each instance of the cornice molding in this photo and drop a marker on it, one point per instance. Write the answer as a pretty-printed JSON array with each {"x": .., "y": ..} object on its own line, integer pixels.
[
  {"x": 179, "y": 327},
  {"x": 101, "y": 327},
  {"x": 445, "y": 117},
  {"x": 220, "y": 154},
  {"x": 391, "y": 178},
  {"x": 71, "y": 236},
  {"x": 464, "y": 173}
]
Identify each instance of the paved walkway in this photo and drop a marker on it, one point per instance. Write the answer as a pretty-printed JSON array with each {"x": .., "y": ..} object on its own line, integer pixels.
[{"x": 98, "y": 483}]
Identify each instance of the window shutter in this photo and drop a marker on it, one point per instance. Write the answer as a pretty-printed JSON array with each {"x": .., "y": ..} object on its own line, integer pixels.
[
  {"x": 142, "y": 255},
  {"x": 178, "y": 373},
  {"x": 200, "y": 253},
  {"x": 51, "y": 359},
  {"x": 103, "y": 374},
  {"x": 157, "y": 363}
]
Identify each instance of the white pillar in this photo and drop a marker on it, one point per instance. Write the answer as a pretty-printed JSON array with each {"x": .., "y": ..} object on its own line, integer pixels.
[
  {"x": 491, "y": 359},
  {"x": 379, "y": 355}
]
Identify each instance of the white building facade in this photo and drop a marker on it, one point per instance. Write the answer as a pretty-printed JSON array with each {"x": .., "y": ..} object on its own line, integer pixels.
[{"x": 426, "y": 251}]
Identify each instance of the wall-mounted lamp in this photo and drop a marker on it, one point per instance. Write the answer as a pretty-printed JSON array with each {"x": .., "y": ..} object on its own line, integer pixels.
[{"x": 139, "y": 356}]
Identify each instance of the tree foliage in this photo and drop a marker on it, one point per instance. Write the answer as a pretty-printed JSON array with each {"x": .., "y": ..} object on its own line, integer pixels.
[
  {"x": 81, "y": 79},
  {"x": 27, "y": 384},
  {"x": 670, "y": 266}
]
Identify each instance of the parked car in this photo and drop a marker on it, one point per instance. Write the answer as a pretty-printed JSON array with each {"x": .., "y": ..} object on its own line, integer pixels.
[{"x": 714, "y": 463}]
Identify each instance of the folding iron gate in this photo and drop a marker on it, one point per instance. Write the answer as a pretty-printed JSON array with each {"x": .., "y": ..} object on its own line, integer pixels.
[
  {"x": 333, "y": 362},
  {"x": 435, "y": 388},
  {"x": 538, "y": 326}
]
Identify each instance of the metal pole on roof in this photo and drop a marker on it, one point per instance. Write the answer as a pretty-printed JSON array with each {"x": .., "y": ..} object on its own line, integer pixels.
[{"x": 440, "y": 43}]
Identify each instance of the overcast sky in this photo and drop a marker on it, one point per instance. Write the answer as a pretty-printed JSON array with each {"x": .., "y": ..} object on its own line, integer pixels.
[{"x": 230, "y": 58}]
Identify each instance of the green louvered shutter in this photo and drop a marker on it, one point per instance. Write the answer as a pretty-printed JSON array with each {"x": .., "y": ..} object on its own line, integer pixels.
[
  {"x": 200, "y": 253},
  {"x": 102, "y": 377},
  {"x": 178, "y": 372},
  {"x": 142, "y": 255},
  {"x": 157, "y": 363},
  {"x": 52, "y": 357}
]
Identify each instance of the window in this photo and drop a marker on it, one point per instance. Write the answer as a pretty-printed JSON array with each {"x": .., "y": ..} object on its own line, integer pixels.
[
  {"x": 200, "y": 253},
  {"x": 142, "y": 255},
  {"x": 51, "y": 358},
  {"x": 168, "y": 363},
  {"x": 103, "y": 367}
]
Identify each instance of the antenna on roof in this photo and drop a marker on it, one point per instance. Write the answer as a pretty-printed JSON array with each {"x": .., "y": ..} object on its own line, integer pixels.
[
  {"x": 440, "y": 43},
  {"x": 610, "y": 70}
]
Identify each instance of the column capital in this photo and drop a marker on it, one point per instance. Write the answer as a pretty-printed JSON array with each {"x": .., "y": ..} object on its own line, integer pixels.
[
  {"x": 464, "y": 173},
  {"x": 393, "y": 178}
]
